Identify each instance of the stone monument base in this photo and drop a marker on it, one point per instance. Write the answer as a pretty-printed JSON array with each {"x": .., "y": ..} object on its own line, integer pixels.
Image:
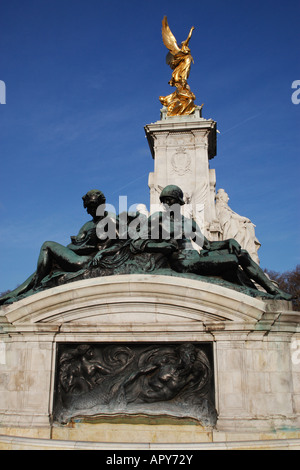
[
  {"x": 122, "y": 435},
  {"x": 250, "y": 345}
]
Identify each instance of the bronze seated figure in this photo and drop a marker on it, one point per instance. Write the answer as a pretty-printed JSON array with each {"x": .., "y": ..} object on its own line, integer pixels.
[{"x": 159, "y": 244}]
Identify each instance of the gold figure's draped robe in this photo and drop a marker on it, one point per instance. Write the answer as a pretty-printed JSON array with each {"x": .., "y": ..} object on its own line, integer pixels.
[
  {"x": 181, "y": 64},
  {"x": 180, "y": 102}
]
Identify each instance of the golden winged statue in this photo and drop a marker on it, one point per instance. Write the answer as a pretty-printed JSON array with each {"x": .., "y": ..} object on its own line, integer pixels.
[{"x": 181, "y": 101}]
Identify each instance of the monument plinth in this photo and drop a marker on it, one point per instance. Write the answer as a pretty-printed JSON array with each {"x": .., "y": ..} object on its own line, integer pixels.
[
  {"x": 182, "y": 148},
  {"x": 64, "y": 348}
]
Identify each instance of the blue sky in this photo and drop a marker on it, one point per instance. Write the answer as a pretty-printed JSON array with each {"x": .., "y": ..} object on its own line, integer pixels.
[{"x": 83, "y": 78}]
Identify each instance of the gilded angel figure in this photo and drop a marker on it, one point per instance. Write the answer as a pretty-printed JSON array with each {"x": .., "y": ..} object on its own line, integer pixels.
[{"x": 181, "y": 102}]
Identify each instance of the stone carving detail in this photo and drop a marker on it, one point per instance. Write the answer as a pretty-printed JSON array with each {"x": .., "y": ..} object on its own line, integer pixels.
[
  {"x": 158, "y": 379},
  {"x": 181, "y": 161},
  {"x": 236, "y": 226}
]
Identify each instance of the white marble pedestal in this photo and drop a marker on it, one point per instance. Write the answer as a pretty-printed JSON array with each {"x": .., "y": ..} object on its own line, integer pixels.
[
  {"x": 256, "y": 362},
  {"x": 181, "y": 148}
]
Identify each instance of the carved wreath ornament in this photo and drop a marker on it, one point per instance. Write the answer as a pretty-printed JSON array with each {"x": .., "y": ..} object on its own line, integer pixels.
[{"x": 181, "y": 161}]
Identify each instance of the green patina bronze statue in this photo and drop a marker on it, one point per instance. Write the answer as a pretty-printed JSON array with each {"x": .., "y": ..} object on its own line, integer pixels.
[
  {"x": 55, "y": 259},
  {"x": 218, "y": 258},
  {"x": 159, "y": 244}
]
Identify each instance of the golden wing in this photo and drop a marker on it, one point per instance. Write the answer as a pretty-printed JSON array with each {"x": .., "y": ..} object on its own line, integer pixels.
[{"x": 168, "y": 38}]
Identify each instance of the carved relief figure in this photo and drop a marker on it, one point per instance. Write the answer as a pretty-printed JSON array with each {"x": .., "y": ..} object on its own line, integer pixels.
[
  {"x": 95, "y": 379},
  {"x": 236, "y": 226}
]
